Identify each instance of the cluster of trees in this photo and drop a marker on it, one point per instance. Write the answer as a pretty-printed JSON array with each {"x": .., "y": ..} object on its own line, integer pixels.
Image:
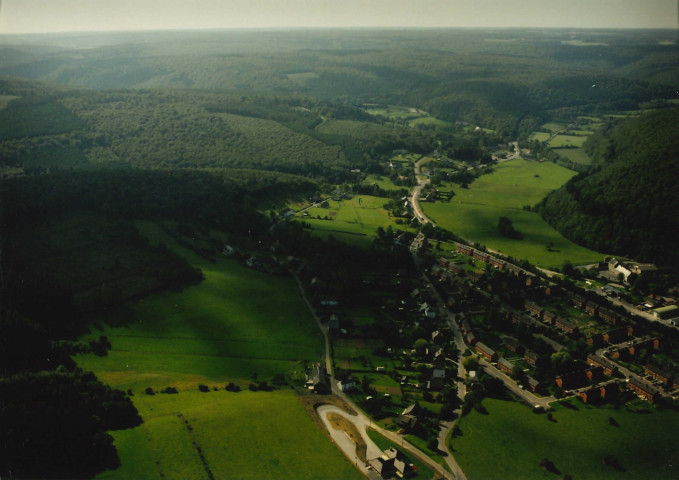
[
  {"x": 54, "y": 424},
  {"x": 624, "y": 203}
]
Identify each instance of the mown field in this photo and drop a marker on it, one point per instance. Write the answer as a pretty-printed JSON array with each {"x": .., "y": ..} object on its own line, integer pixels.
[
  {"x": 237, "y": 325},
  {"x": 473, "y": 213},
  {"x": 511, "y": 441},
  {"x": 244, "y": 435}
]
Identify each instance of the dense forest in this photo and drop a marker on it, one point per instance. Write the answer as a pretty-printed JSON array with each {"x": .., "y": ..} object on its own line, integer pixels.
[{"x": 627, "y": 201}]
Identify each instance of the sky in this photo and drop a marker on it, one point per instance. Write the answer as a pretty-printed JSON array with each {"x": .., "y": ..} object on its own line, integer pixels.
[{"x": 43, "y": 16}]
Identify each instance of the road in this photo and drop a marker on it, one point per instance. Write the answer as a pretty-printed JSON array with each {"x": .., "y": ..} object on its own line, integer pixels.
[
  {"x": 415, "y": 197},
  {"x": 345, "y": 443},
  {"x": 510, "y": 384},
  {"x": 361, "y": 419}
]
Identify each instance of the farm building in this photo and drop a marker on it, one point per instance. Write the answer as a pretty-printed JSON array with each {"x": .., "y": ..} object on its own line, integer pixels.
[
  {"x": 317, "y": 379},
  {"x": 392, "y": 463}
]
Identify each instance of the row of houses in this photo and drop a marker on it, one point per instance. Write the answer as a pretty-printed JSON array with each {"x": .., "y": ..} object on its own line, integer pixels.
[
  {"x": 490, "y": 259},
  {"x": 551, "y": 318},
  {"x": 644, "y": 389},
  {"x": 631, "y": 348},
  {"x": 580, "y": 379},
  {"x": 600, "y": 393},
  {"x": 595, "y": 310}
]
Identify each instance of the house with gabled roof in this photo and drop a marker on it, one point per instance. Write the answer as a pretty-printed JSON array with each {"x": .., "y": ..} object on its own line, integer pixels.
[
  {"x": 566, "y": 326},
  {"x": 530, "y": 357},
  {"x": 610, "y": 368},
  {"x": 486, "y": 351},
  {"x": 505, "y": 365},
  {"x": 392, "y": 463},
  {"x": 658, "y": 374},
  {"x": 644, "y": 389}
]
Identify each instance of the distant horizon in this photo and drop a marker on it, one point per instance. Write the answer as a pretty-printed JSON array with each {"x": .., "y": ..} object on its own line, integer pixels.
[
  {"x": 20, "y": 17},
  {"x": 290, "y": 29}
]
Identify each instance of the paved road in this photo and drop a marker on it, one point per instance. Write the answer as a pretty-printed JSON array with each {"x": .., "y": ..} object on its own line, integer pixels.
[
  {"x": 415, "y": 197},
  {"x": 362, "y": 418},
  {"x": 345, "y": 443}
]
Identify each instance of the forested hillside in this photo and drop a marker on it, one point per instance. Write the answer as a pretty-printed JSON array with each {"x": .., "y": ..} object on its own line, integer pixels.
[
  {"x": 627, "y": 203},
  {"x": 499, "y": 79}
]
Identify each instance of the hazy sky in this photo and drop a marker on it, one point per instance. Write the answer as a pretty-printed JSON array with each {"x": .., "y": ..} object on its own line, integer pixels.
[{"x": 30, "y": 16}]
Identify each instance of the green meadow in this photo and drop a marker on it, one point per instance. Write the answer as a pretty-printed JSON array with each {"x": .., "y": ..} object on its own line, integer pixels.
[
  {"x": 244, "y": 435},
  {"x": 382, "y": 182},
  {"x": 216, "y": 331},
  {"x": 553, "y": 127},
  {"x": 237, "y": 325},
  {"x": 540, "y": 136},
  {"x": 354, "y": 220},
  {"x": 576, "y": 155},
  {"x": 561, "y": 141},
  {"x": 511, "y": 441},
  {"x": 473, "y": 213}
]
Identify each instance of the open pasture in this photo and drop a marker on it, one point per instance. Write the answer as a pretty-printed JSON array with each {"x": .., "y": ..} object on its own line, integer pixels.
[
  {"x": 540, "y": 136},
  {"x": 361, "y": 215},
  {"x": 474, "y": 212},
  {"x": 562, "y": 141},
  {"x": 553, "y": 127},
  {"x": 576, "y": 155},
  {"x": 576, "y": 441},
  {"x": 216, "y": 331},
  {"x": 244, "y": 435}
]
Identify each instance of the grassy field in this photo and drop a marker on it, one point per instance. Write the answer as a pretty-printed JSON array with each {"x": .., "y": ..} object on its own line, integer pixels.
[
  {"x": 358, "y": 217},
  {"x": 561, "y": 141},
  {"x": 474, "y": 212},
  {"x": 553, "y": 127},
  {"x": 383, "y": 182},
  {"x": 351, "y": 128},
  {"x": 511, "y": 441},
  {"x": 576, "y": 155},
  {"x": 540, "y": 136},
  {"x": 218, "y": 331},
  {"x": 245, "y": 435},
  {"x": 429, "y": 121}
]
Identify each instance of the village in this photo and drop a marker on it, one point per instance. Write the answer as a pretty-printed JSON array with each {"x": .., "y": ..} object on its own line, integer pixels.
[{"x": 470, "y": 322}]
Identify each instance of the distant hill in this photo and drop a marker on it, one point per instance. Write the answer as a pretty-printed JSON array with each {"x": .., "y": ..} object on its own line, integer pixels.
[{"x": 627, "y": 202}]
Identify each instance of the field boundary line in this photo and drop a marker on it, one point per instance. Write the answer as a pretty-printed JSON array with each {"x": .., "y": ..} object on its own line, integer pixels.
[{"x": 189, "y": 429}]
